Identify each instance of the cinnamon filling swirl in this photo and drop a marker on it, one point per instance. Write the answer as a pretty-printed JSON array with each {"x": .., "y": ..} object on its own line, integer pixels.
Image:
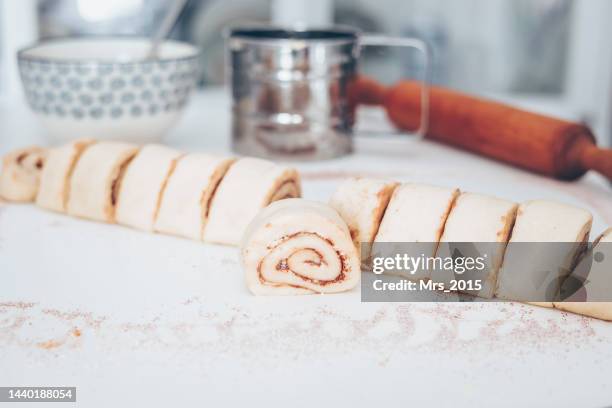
[{"x": 318, "y": 263}]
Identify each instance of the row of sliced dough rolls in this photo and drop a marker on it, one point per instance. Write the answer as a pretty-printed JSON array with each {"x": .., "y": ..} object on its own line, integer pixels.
[
  {"x": 433, "y": 216},
  {"x": 151, "y": 188},
  {"x": 202, "y": 196}
]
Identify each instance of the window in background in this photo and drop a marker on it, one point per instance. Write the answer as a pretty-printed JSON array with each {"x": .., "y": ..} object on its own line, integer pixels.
[
  {"x": 479, "y": 45},
  {"x": 61, "y": 18}
]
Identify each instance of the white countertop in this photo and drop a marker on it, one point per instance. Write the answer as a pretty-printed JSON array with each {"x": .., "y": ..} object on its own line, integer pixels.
[{"x": 133, "y": 318}]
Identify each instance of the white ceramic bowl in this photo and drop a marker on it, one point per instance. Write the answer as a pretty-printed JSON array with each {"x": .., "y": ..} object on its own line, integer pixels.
[{"x": 106, "y": 88}]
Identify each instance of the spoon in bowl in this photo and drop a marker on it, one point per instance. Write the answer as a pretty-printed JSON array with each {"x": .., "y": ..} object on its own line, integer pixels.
[{"x": 173, "y": 13}]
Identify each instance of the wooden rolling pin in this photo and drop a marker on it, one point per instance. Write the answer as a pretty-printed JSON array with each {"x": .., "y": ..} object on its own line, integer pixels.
[{"x": 539, "y": 143}]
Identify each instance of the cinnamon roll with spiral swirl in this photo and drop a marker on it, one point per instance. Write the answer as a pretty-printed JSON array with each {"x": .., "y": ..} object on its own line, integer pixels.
[{"x": 296, "y": 246}]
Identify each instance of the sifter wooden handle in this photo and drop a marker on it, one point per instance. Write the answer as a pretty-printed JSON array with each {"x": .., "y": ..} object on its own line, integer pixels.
[{"x": 539, "y": 143}]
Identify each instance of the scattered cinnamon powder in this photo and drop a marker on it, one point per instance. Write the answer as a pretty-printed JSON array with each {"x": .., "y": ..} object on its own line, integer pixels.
[
  {"x": 17, "y": 305},
  {"x": 257, "y": 336},
  {"x": 49, "y": 344},
  {"x": 88, "y": 318}
]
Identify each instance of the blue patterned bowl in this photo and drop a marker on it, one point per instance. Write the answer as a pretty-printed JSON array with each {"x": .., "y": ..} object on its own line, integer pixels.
[{"x": 105, "y": 87}]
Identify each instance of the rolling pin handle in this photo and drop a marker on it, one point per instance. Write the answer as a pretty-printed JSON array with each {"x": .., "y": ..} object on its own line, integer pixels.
[{"x": 598, "y": 159}]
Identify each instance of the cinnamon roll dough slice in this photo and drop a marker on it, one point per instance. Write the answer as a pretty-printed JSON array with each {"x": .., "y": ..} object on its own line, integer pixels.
[
  {"x": 361, "y": 202},
  {"x": 296, "y": 247},
  {"x": 143, "y": 185},
  {"x": 186, "y": 201},
  {"x": 546, "y": 242},
  {"x": 248, "y": 186},
  {"x": 96, "y": 179},
  {"x": 20, "y": 176},
  {"x": 597, "y": 290},
  {"x": 478, "y": 226},
  {"x": 414, "y": 222},
  {"x": 55, "y": 178}
]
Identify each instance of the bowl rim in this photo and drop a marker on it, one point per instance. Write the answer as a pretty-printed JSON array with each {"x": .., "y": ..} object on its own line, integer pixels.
[{"x": 21, "y": 53}]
